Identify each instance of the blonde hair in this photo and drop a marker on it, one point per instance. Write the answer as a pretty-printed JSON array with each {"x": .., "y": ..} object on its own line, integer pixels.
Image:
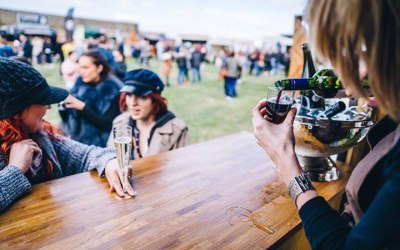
[{"x": 349, "y": 31}]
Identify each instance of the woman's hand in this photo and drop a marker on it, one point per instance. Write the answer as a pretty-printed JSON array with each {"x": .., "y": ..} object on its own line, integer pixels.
[
  {"x": 72, "y": 102},
  {"x": 114, "y": 177},
  {"x": 277, "y": 140},
  {"x": 21, "y": 154}
]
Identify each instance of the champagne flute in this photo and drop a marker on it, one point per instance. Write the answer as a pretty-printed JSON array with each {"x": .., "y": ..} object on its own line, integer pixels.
[
  {"x": 279, "y": 103},
  {"x": 123, "y": 145}
]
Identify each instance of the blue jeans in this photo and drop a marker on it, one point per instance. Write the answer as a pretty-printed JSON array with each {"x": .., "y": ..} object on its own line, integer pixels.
[
  {"x": 259, "y": 69},
  {"x": 230, "y": 86},
  {"x": 196, "y": 77},
  {"x": 39, "y": 58},
  {"x": 49, "y": 58},
  {"x": 182, "y": 75}
]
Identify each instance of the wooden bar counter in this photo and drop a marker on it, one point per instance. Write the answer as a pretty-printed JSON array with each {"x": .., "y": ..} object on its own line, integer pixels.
[{"x": 200, "y": 196}]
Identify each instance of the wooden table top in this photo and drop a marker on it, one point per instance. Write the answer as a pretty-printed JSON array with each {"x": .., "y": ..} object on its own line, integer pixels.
[{"x": 199, "y": 196}]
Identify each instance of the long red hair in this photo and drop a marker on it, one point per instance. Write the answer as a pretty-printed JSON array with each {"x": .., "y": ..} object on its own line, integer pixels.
[
  {"x": 160, "y": 103},
  {"x": 11, "y": 132}
]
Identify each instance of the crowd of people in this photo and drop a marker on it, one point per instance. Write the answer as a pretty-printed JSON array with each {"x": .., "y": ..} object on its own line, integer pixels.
[
  {"x": 189, "y": 59},
  {"x": 34, "y": 49}
]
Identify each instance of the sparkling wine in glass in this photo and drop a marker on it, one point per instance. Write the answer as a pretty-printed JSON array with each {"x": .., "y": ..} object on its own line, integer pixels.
[
  {"x": 123, "y": 146},
  {"x": 279, "y": 103}
]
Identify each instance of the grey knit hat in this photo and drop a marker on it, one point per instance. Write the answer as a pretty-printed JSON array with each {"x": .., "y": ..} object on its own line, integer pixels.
[{"x": 21, "y": 86}]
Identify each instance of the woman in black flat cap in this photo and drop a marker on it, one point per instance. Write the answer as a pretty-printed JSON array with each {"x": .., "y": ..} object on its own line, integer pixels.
[{"x": 155, "y": 128}]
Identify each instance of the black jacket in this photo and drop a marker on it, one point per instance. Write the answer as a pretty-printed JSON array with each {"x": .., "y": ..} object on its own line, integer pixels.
[{"x": 93, "y": 124}]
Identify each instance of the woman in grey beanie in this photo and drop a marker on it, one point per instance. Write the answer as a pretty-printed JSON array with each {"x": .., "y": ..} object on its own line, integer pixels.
[{"x": 31, "y": 149}]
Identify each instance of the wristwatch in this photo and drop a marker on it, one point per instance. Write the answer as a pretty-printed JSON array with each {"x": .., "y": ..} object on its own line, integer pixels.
[{"x": 299, "y": 185}]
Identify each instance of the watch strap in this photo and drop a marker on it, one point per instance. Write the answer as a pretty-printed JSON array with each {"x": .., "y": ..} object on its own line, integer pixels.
[{"x": 298, "y": 185}]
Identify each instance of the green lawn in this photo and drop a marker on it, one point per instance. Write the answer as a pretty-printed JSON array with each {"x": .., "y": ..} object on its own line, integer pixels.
[{"x": 202, "y": 106}]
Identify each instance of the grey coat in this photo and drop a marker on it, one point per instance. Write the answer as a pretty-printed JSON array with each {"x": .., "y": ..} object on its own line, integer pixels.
[
  {"x": 71, "y": 157},
  {"x": 232, "y": 66}
]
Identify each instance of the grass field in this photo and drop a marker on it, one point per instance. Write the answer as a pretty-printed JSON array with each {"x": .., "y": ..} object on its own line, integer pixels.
[{"x": 202, "y": 106}]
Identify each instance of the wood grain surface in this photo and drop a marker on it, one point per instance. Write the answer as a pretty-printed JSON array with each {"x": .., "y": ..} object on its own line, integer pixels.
[{"x": 197, "y": 197}]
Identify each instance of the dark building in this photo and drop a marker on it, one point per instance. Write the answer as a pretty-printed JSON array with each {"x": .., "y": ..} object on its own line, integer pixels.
[{"x": 45, "y": 24}]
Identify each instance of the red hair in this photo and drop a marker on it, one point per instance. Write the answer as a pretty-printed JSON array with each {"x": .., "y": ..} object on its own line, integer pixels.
[
  {"x": 159, "y": 102},
  {"x": 11, "y": 132}
]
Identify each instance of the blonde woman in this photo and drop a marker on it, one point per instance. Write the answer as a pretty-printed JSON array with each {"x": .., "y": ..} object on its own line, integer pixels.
[{"x": 350, "y": 33}]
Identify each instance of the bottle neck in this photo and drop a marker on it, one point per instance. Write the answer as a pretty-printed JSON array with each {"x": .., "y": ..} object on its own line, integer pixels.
[
  {"x": 293, "y": 84},
  {"x": 308, "y": 64},
  {"x": 308, "y": 67}
]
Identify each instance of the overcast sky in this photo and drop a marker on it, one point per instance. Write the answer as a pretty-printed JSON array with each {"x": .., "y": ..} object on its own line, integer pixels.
[{"x": 245, "y": 19}]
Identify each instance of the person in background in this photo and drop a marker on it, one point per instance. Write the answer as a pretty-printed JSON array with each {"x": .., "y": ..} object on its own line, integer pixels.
[
  {"x": 286, "y": 61},
  {"x": 268, "y": 58},
  {"x": 155, "y": 128},
  {"x": 70, "y": 70},
  {"x": 260, "y": 64},
  {"x": 103, "y": 47},
  {"x": 48, "y": 50},
  {"x": 37, "y": 51},
  {"x": 120, "y": 65},
  {"x": 26, "y": 46},
  {"x": 5, "y": 49},
  {"x": 166, "y": 66},
  {"x": 241, "y": 58},
  {"x": 361, "y": 38},
  {"x": 279, "y": 59},
  {"x": 68, "y": 47},
  {"x": 196, "y": 60},
  {"x": 58, "y": 55},
  {"x": 182, "y": 62},
  {"x": 253, "y": 57},
  {"x": 233, "y": 69},
  {"x": 31, "y": 149},
  {"x": 89, "y": 110},
  {"x": 220, "y": 58},
  {"x": 144, "y": 56},
  {"x": 160, "y": 45},
  {"x": 135, "y": 52}
]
